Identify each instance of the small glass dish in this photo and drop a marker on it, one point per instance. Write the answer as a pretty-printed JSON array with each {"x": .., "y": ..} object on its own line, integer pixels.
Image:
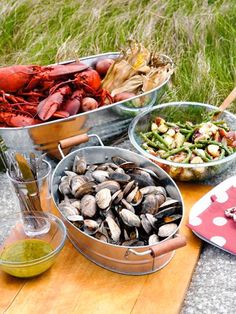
[
  {"x": 132, "y": 107},
  {"x": 22, "y": 255},
  {"x": 182, "y": 112}
]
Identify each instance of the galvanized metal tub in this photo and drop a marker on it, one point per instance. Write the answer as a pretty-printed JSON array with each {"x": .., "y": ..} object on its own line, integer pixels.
[
  {"x": 44, "y": 137},
  {"x": 126, "y": 260}
]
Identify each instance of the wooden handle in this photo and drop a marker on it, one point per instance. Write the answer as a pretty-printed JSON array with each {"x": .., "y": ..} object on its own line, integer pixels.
[
  {"x": 168, "y": 246},
  {"x": 74, "y": 140},
  {"x": 228, "y": 100}
]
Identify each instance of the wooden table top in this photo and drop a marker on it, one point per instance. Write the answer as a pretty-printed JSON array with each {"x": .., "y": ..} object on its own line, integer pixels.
[{"x": 76, "y": 285}]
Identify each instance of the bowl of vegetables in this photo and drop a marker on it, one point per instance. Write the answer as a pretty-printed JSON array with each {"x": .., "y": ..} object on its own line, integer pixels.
[
  {"x": 25, "y": 254},
  {"x": 187, "y": 139}
]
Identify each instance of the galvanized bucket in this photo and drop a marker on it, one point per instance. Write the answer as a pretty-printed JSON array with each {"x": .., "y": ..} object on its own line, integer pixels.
[
  {"x": 45, "y": 137},
  {"x": 122, "y": 259}
]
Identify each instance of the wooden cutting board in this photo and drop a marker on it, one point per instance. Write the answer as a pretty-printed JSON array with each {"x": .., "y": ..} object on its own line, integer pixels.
[{"x": 76, "y": 285}]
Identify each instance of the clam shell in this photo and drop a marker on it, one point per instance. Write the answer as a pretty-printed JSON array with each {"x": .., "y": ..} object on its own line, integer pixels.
[
  {"x": 79, "y": 165},
  {"x": 70, "y": 173},
  {"x": 151, "y": 219},
  {"x": 100, "y": 175},
  {"x": 153, "y": 190},
  {"x": 128, "y": 187},
  {"x": 129, "y": 218},
  {"x": 114, "y": 229},
  {"x": 118, "y": 160},
  {"x": 117, "y": 197},
  {"x": 112, "y": 185},
  {"x": 67, "y": 209},
  {"x": 100, "y": 236},
  {"x": 64, "y": 186},
  {"x": 90, "y": 226},
  {"x": 146, "y": 224},
  {"x": 150, "y": 204},
  {"x": 153, "y": 239},
  {"x": 131, "y": 195},
  {"x": 170, "y": 202},
  {"x": 119, "y": 170},
  {"x": 167, "y": 230},
  {"x": 76, "y": 182},
  {"x": 88, "y": 175},
  {"x": 103, "y": 198},
  {"x": 142, "y": 178},
  {"x": 88, "y": 205},
  {"x": 120, "y": 177},
  {"x": 128, "y": 205},
  {"x": 76, "y": 204},
  {"x": 165, "y": 212},
  {"x": 86, "y": 188},
  {"x": 77, "y": 220}
]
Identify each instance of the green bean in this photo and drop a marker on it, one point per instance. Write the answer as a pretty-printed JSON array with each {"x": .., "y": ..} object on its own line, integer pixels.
[
  {"x": 216, "y": 143},
  {"x": 174, "y": 125},
  {"x": 222, "y": 155},
  {"x": 160, "y": 139},
  {"x": 185, "y": 131},
  {"x": 189, "y": 125},
  {"x": 208, "y": 155},
  {"x": 204, "y": 158},
  {"x": 153, "y": 144},
  {"x": 175, "y": 151},
  {"x": 189, "y": 135},
  {"x": 186, "y": 160},
  {"x": 148, "y": 133}
]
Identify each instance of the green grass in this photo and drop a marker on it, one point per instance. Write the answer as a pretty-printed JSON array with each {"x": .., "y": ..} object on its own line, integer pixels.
[{"x": 198, "y": 35}]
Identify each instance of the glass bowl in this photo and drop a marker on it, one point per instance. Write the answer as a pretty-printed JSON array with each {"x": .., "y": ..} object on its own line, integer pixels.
[
  {"x": 181, "y": 112},
  {"x": 133, "y": 107},
  {"x": 23, "y": 254}
]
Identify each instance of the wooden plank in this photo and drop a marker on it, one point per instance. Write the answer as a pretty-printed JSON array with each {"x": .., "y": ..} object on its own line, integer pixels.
[
  {"x": 76, "y": 285},
  {"x": 165, "y": 290},
  {"x": 9, "y": 288}
]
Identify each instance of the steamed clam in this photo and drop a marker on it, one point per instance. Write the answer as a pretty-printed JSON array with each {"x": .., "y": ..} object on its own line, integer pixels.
[{"x": 118, "y": 202}]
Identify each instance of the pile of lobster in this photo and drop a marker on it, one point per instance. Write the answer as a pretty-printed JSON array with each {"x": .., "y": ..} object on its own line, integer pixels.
[{"x": 31, "y": 94}]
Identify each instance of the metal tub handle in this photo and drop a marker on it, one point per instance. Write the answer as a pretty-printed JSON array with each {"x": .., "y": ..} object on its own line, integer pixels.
[
  {"x": 162, "y": 248},
  {"x": 76, "y": 140}
]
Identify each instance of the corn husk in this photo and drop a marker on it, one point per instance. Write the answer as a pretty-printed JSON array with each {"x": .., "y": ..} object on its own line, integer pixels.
[
  {"x": 156, "y": 77},
  {"x": 133, "y": 85},
  {"x": 134, "y": 60},
  {"x": 137, "y": 70}
]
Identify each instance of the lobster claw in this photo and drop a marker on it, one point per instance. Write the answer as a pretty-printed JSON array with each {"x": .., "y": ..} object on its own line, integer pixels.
[
  {"x": 72, "y": 105},
  {"x": 52, "y": 103}
]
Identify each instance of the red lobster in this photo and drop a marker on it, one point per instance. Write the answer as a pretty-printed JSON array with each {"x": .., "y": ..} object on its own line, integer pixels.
[
  {"x": 87, "y": 82},
  {"x": 27, "y": 77},
  {"x": 47, "y": 92}
]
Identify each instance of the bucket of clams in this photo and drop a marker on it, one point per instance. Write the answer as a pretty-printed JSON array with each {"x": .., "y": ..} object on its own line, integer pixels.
[
  {"x": 121, "y": 210},
  {"x": 190, "y": 141}
]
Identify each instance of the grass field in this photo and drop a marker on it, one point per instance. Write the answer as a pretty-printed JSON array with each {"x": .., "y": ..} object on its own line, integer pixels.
[{"x": 198, "y": 35}]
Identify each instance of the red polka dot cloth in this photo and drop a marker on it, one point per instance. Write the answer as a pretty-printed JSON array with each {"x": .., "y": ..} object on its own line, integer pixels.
[{"x": 208, "y": 220}]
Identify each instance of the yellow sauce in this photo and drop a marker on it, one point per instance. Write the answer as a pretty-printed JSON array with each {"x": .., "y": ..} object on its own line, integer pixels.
[{"x": 25, "y": 251}]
